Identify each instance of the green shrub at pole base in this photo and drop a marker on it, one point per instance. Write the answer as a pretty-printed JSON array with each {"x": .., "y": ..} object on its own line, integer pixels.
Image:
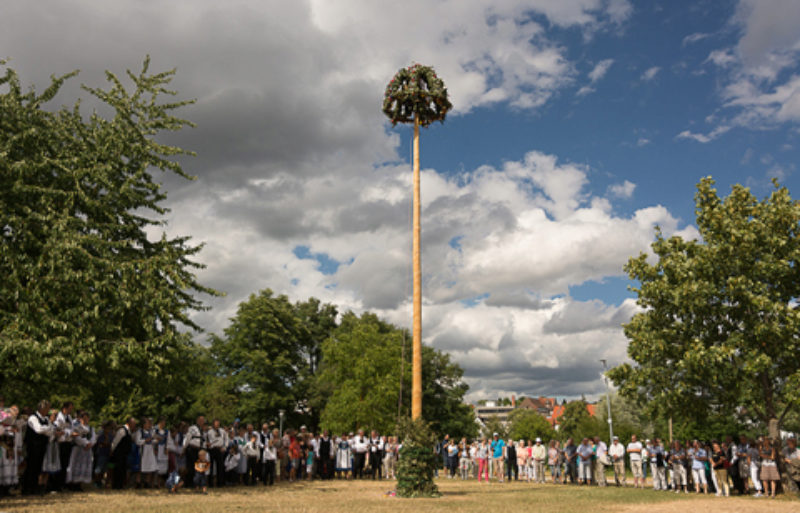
[{"x": 417, "y": 461}]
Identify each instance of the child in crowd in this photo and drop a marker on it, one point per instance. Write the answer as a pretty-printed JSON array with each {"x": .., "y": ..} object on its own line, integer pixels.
[
  {"x": 310, "y": 463},
  {"x": 174, "y": 481},
  {"x": 201, "y": 466}
]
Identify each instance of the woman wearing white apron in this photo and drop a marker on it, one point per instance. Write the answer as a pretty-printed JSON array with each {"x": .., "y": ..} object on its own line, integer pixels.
[
  {"x": 344, "y": 454},
  {"x": 240, "y": 442},
  {"x": 52, "y": 461},
  {"x": 144, "y": 438},
  {"x": 82, "y": 458},
  {"x": 10, "y": 451},
  {"x": 161, "y": 439}
]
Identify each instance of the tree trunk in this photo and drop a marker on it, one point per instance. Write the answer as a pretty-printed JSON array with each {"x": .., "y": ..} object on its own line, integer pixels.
[{"x": 416, "y": 381}]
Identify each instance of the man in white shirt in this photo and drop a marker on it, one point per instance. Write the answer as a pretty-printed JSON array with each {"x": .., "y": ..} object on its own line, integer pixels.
[
  {"x": 64, "y": 422},
  {"x": 270, "y": 457},
  {"x": 617, "y": 454},
  {"x": 360, "y": 446},
  {"x": 635, "y": 455},
  {"x": 121, "y": 446},
  {"x": 538, "y": 453},
  {"x": 601, "y": 453},
  {"x": 326, "y": 453},
  {"x": 217, "y": 441},
  {"x": 375, "y": 455},
  {"x": 194, "y": 441}
]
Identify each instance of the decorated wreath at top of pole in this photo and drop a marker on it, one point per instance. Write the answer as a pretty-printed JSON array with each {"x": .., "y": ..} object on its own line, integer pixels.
[{"x": 416, "y": 90}]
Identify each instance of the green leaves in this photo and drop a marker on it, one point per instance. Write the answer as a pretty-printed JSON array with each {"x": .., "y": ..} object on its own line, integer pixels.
[
  {"x": 365, "y": 366},
  {"x": 89, "y": 304},
  {"x": 269, "y": 355},
  {"x": 528, "y": 425},
  {"x": 416, "y": 91},
  {"x": 719, "y": 326}
]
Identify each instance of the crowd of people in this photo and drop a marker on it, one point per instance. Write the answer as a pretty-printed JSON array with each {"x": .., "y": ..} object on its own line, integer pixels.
[
  {"x": 50, "y": 450},
  {"x": 747, "y": 466}
]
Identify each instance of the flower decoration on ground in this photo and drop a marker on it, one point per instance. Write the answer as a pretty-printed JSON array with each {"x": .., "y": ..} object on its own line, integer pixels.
[{"x": 416, "y": 90}]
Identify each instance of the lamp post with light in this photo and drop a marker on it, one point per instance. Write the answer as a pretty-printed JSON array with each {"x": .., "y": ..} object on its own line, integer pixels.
[{"x": 608, "y": 403}]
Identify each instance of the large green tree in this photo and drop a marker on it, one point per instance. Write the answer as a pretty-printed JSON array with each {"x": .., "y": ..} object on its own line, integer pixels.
[
  {"x": 576, "y": 422},
  {"x": 365, "y": 369},
  {"x": 718, "y": 330},
  {"x": 92, "y": 305},
  {"x": 266, "y": 355},
  {"x": 526, "y": 424},
  {"x": 361, "y": 370}
]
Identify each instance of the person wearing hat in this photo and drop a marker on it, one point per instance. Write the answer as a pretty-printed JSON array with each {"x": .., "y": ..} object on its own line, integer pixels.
[
  {"x": 498, "y": 448},
  {"x": 538, "y": 453},
  {"x": 617, "y": 454}
]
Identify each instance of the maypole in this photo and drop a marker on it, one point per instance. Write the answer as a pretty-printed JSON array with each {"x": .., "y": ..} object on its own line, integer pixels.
[{"x": 417, "y": 95}]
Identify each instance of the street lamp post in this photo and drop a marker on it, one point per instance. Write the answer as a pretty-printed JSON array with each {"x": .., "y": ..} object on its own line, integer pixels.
[
  {"x": 281, "y": 414},
  {"x": 608, "y": 403}
]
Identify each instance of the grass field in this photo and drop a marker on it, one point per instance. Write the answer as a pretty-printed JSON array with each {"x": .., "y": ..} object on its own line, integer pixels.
[{"x": 368, "y": 497}]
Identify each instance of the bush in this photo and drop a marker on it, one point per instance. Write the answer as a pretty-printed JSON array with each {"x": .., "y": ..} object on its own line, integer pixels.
[{"x": 417, "y": 461}]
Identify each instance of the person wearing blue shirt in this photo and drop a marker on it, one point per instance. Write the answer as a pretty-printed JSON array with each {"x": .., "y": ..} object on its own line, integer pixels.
[
  {"x": 497, "y": 456},
  {"x": 699, "y": 458}
]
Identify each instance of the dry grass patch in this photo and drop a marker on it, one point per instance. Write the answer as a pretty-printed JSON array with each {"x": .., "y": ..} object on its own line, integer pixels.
[{"x": 368, "y": 497}]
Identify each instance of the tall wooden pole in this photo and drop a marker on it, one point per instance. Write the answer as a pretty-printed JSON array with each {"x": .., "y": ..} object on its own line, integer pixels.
[{"x": 416, "y": 369}]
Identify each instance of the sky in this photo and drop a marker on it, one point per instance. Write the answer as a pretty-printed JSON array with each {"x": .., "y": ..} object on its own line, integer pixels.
[{"x": 578, "y": 127}]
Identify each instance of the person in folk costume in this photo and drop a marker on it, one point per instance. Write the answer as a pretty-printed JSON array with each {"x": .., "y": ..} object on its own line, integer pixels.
[
  {"x": 252, "y": 451},
  {"x": 52, "y": 456},
  {"x": 192, "y": 443},
  {"x": 325, "y": 454},
  {"x": 375, "y": 455},
  {"x": 37, "y": 437},
  {"x": 176, "y": 460},
  {"x": 240, "y": 440},
  {"x": 10, "y": 453},
  {"x": 121, "y": 448},
  {"x": 81, "y": 460},
  {"x": 232, "y": 463},
  {"x": 217, "y": 441},
  {"x": 144, "y": 439},
  {"x": 265, "y": 436},
  {"x": 64, "y": 422},
  {"x": 360, "y": 446},
  {"x": 270, "y": 458},
  {"x": 161, "y": 438},
  {"x": 102, "y": 454},
  {"x": 344, "y": 456}
]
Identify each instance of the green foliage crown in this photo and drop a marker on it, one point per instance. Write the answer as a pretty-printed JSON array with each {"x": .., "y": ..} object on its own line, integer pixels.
[{"x": 416, "y": 90}]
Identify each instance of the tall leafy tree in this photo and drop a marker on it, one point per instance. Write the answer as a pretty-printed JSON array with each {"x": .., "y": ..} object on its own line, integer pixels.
[
  {"x": 361, "y": 365},
  {"x": 719, "y": 327},
  {"x": 90, "y": 304},
  {"x": 320, "y": 321},
  {"x": 363, "y": 369},
  {"x": 525, "y": 424},
  {"x": 261, "y": 356},
  {"x": 576, "y": 422}
]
